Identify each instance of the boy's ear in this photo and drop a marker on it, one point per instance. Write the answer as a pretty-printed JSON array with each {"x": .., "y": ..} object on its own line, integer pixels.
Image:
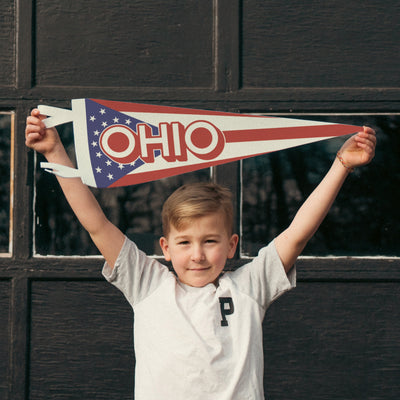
[
  {"x": 233, "y": 241},
  {"x": 165, "y": 248}
]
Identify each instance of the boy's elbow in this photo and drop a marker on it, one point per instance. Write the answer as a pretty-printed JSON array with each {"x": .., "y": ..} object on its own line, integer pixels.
[
  {"x": 289, "y": 247},
  {"x": 99, "y": 226},
  {"x": 109, "y": 240}
]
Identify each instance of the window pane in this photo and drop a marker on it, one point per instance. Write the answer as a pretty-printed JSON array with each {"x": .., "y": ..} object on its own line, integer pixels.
[
  {"x": 136, "y": 210},
  {"x": 364, "y": 219},
  {"x": 6, "y": 126}
]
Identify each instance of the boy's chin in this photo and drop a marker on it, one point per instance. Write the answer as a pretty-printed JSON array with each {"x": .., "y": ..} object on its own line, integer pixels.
[{"x": 198, "y": 283}]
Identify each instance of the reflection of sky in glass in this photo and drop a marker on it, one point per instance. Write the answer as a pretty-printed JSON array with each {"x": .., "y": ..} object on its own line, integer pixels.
[{"x": 5, "y": 138}]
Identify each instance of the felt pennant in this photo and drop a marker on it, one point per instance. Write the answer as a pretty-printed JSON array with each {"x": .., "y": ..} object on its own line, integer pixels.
[{"x": 121, "y": 144}]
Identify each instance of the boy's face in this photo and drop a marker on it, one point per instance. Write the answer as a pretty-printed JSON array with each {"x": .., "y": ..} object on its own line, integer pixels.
[{"x": 199, "y": 251}]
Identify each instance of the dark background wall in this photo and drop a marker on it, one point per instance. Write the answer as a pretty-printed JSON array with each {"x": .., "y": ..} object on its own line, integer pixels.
[{"x": 65, "y": 333}]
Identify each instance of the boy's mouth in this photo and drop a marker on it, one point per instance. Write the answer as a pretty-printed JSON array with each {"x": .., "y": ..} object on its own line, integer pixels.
[{"x": 199, "y": 269}]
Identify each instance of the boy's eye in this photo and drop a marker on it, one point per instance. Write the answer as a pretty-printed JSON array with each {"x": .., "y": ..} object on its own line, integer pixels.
[{"x": 183, "y": 242}]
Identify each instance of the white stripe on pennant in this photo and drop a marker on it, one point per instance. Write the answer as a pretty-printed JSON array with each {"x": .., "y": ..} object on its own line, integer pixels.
[{"x": 81, "y": 142}]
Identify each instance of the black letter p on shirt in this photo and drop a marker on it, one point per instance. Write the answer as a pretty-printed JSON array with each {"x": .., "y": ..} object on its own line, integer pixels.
[{"x": 227, "y": 308}]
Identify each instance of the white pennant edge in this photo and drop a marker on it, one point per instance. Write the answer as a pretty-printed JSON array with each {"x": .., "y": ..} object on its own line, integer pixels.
[
  {"x": 60, "y": 170},
  {"x": 82, "y": 151},
  {"x": 56, "y": 116}
]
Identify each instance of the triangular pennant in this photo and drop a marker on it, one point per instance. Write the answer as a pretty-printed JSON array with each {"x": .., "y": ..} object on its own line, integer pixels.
[{"x": 121, "y": 144}]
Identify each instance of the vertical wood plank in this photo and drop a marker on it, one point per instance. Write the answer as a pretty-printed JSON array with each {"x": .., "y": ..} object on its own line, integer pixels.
[
  {"x": 24, "y": 43},
  {"x": 5, "y": 294},
  {"x": 226, "y": 45},
  {"x": 18, "y": 339},
  {"x": 229, "y": 175},
  {"x": 8, "y": 33},
  {"x": 23, "y": 208}
]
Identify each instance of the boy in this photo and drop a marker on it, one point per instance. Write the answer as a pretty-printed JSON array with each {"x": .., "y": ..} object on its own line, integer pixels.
[{"x": 199, "y": 335}]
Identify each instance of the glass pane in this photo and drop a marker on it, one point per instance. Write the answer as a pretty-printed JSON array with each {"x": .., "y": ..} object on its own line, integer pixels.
[
  {"x": 363, "y": 220},
  {"x": 6, "y": 127},
  {"x": 136, "y": 210}
]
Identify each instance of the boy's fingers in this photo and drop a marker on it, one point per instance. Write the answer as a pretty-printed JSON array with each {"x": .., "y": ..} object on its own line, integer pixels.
[
  {"x": 32, "y": 129},
  {"x": 369, "y": 131},
  {"x": 33, "y": 122},
  {"x": 366, "y": 137},
  {"x": 366, "y": 144},
  {"x": 33, "y": 119},
  {"x": 36, "y": 113},
  {"x": 32, "y": 136}
]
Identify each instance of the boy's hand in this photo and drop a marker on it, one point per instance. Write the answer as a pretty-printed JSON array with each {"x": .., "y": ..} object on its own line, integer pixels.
[
  {"x": 38, "y": 137},
  {"x": 359, "y": 149}
]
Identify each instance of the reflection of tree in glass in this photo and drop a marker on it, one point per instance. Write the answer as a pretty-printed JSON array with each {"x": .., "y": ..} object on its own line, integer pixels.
[{"x": 364, "y": 218}]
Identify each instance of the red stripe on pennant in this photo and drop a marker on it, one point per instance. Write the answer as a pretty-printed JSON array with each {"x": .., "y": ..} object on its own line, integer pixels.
[
  {"x": 299, "y": 132},
  {"x": 122, "y": 106},
  {"x": 136, "y": 178}
]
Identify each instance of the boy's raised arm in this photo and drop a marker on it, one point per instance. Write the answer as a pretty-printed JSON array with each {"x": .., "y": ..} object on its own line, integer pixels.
[
  {"x": 358, "y": 150},
  {"x": 106, "y": 236}
]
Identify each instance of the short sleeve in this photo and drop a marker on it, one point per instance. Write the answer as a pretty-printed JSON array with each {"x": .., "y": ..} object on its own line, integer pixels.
[
  {"x": 264, "y": 278},
  {"x": 135, "y": 274}
]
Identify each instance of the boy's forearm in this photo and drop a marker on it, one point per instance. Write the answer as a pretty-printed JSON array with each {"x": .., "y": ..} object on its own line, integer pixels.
[
  {"x": 78, "y": 195},
  {"x": 106, "y": 236},
  {"x": 309, "y": 217},
  {"x": 315, "y": 208},
  {"x": 357, "y": 151}
]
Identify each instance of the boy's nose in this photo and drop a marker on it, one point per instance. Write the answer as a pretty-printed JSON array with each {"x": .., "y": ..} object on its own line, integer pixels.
[{"x": 198, "y": 254}]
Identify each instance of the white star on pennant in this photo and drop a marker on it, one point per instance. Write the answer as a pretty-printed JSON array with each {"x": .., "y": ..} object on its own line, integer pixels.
[
  {"x": 94, "y": 144},
  {"x": 98, "y": 155},
  {"x": 116, "y": 119},
  {"x": 110, "y": 177},
  {"x": 96, "y": 133},
  {"x": 120, "y": 166},
  {"x": 104, "y": 124},
  {"x": 98, "y": 170},
  {"x": 102, "y": 111},
  {"x": 108, "y": 162},
  {"x": 128, "y": 121},
  {"x": 93, "y": 118}
]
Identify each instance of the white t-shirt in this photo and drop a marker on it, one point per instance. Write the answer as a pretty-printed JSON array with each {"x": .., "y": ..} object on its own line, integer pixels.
[{"x": 199, "y": 343}]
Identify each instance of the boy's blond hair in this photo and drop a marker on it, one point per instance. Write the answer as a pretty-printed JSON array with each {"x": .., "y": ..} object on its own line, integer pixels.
[{"x": 197, "y": 200}]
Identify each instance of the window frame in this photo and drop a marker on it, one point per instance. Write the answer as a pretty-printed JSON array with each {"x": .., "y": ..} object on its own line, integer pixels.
[
  {"x": 232, "y": 175},
  {"x": 9, "y": 253}
]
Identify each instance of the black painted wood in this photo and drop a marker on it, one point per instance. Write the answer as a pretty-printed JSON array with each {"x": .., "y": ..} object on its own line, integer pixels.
[
  {"x": 18, "y": 339},
  {"x": 334, "y": 341},
  {"x": 142, "y": 43},
  {"x": 5, "y": 295},
  {"x": 81, "y": 341},
  {"x": 315, "y": 45},
  {"x": 7, "y": 39}
]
